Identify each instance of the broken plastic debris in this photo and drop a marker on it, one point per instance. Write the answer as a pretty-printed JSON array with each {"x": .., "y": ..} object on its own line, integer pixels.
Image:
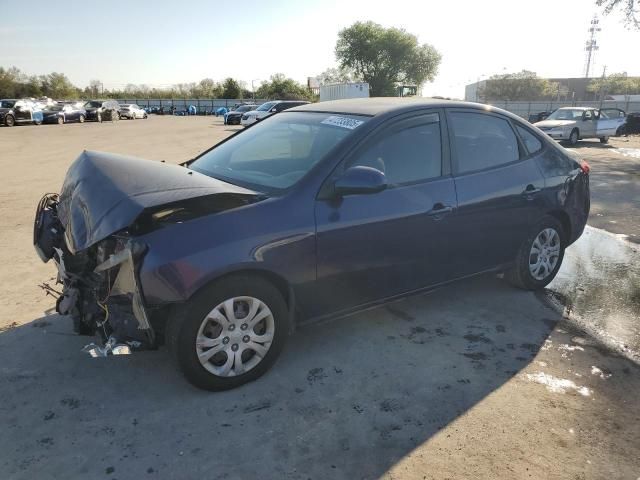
[{"x": 110, "y": 347}]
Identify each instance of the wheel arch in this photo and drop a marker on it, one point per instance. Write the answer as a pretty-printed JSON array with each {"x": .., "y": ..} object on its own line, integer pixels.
[
  {"x": 277, "y": 280},
  {"x": 565, "y": 221}
]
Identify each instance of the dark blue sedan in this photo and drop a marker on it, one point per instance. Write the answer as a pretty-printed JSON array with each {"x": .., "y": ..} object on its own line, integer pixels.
[
  {"x": 320, "y": 211},
  {"x": 64, "y": 113}
]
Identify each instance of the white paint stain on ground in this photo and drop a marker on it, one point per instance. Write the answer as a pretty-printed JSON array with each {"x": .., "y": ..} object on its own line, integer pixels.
[
  {"x": 596, "y": 371},
  {"x": 628, "y": 152},
  {"x": 556, "y": 385}
]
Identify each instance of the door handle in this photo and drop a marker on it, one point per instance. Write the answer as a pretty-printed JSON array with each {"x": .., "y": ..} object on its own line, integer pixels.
[
  {"x": 439, "y": 210},
  {"x": 530, "y": 190}
]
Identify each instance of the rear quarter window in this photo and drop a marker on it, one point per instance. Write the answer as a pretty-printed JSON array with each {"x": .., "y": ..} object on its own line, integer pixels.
[
  {"x": 531, "y": 142},
  {"x": 557, "y": 161}
]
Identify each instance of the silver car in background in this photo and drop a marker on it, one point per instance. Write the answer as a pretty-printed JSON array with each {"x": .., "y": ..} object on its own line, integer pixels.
[
  {"x": 131, "y": 111},
  {"x": 570, "y": 124}
]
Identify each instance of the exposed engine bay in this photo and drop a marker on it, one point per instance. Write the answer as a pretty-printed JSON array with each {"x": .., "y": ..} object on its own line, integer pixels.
[{"x": 99, "y": 288}]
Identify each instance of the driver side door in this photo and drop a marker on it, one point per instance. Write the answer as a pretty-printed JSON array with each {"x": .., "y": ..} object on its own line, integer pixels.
[{"x": 376, "y": 245}]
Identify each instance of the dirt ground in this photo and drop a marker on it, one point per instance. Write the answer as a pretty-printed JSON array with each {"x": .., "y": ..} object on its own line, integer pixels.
[{"x": 477, "y": 380}]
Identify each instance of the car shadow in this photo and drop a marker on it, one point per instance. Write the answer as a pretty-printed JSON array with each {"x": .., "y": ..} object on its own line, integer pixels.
[{"x": 347, "y": 399}]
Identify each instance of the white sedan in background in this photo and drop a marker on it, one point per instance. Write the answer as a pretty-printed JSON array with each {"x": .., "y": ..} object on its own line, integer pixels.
[
  {"x": 131, "y": 111},
  {"x": 570, "y": 124},
  {"x": 267, "y": 109}
]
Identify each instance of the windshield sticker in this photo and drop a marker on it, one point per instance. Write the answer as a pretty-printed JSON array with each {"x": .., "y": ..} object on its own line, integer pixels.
[{"x": 343, "y": 122}]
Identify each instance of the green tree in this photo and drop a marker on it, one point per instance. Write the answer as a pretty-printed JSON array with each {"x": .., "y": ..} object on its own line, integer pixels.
[
  {"x": 630, "y": 9},
  {"x": 9, "y": 80},
  {"x": 524, "y": 85},
  {"x": 57, "y": 85},
  {"x": 231, "y": 88},
  {"x": 615, "y": 84},
  {"x": 386, "y": 57},
  {"x": 337, "y": 75},
  {"x": 282, "y": 88}
]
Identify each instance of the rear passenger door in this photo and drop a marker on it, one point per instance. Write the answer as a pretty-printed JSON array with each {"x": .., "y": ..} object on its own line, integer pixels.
[{"x": 498, "y": 186}]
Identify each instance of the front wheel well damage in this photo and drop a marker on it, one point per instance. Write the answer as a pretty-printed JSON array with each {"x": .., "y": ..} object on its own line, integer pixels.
[{"x": 163, "y": 315}]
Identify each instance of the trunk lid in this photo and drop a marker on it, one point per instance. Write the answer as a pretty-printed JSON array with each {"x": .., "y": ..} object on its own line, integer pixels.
[{"x": 104, "y": 193}]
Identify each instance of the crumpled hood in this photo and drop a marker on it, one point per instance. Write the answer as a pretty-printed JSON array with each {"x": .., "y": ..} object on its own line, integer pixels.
[
  {"x": 104, "y": 193},
  {"x": 554, "y": 123}
]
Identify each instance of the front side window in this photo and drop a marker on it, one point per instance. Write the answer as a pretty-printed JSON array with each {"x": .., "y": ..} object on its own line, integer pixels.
[
  {"x": 274, "y": 154},
  {"x": 530, "y": 141},
  {"x": 407, "y": 155},
  {"x": 482, "y": 141}
]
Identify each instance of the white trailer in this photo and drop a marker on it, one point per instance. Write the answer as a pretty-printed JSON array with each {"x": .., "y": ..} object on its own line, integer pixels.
[{"x": 339, "y": 91}]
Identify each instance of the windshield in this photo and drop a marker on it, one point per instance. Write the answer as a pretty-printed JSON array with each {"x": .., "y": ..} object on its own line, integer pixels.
[
  {"x": 55, "y": 108},
  {"x": 566, "y": 114},
  {"x": 93, "y": 104},
  {"x": 265, "y": 106},
  {"x": 7, "y": 103},
  {"x": 244, "y": 108},
  {"x": 276, "y": 153}
]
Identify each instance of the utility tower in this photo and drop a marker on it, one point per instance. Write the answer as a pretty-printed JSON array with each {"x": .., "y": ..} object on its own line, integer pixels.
[{"x": 591, "y": 45}]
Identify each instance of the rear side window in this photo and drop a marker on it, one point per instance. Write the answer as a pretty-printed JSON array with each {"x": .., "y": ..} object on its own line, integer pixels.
[
  {"x": 531, "y": 142},
  {"x": 482, "y": 141},
  {"x": 407, "y": 155}
]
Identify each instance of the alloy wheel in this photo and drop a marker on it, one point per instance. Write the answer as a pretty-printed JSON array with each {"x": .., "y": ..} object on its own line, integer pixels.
[
  {"x": 235, "y": 336},
  {"x": 544, "y": 254}
]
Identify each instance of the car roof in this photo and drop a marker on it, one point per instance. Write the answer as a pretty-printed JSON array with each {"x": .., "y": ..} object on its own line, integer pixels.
[
  {"x": 384, "y": 105},
  {"x": 577, "y": 108}
]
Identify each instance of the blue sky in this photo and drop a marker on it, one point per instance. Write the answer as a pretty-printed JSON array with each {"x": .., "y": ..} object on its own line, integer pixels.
[{"x": 164, "y": 42}]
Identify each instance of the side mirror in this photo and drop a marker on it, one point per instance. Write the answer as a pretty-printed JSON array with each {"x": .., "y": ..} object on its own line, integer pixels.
[
  {"x": 273, "y": 110},
  {"x": 360, "y": 180}
]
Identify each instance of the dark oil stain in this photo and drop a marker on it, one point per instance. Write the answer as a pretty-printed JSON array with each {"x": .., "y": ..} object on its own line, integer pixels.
[
  {"x": 500, "y": 328},
  {"x": 70, "y": 402},
  {"x": 358, "y": 408},
  {"x": 315, "y": 374},
  {"x": 401, "y": 314},
  {"x": 531, "y": 347},
  {"x": 416, "y": 330},
  {"x": 510, "y": 346},
  {"x": 440, "y": 332},
  {"x": 257, "y": 406},
  {"x": 390, "y": 405},
  {"x": 41, "y": 324},
  {"x": 476, "y": 355},
  {"x": 473, "y": 338},
  {"x": 48, "y": 415}
]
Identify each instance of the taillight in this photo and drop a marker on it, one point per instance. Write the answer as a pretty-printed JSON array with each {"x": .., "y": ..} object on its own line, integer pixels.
[{"x": 584, "y": 166}]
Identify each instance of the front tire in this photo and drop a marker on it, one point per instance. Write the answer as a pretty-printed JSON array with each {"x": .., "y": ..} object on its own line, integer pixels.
[
  {"x": 604, "y": 140},
  {"x": 60, "y": 120},
  {"x": 539, "y": 257},
  {"x": 9, "y": 121},
  {"x": 81, "y": 119},
  {"x": 229, "y": 333}
]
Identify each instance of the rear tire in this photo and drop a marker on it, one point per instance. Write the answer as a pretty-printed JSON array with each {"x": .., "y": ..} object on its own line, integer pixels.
[
  {"x": 186, "y": 325},
  {"x": 604, "y": 140},
  {"x": 60, "y": 120},
  {"x": 521, "y": 274},
  {"x": 9, "y": 121}
]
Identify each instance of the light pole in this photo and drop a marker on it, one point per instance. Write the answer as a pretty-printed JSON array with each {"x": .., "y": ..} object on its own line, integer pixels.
[{"x": 253, "y": 88}]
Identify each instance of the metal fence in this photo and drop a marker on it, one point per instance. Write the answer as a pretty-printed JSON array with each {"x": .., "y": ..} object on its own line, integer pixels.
[
  {"x": 202, "y": 104},
  {"x": 524, "y": 109}
]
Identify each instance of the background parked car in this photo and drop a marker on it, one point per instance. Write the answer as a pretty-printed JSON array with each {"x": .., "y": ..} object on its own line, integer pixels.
[
  {"x": 538, "y": 116},
  {"x": 102, "y": 110},
  {"x": 62, "y": 113},
  {"x": 13, "y": 111},
  {"x": 571, "y": 124},
  {"x": 131, "y": 111},
  {"x": 235, "y": 116},
  {"x": 631, "y": 124},
  {"x": 269, "y": 108}
]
